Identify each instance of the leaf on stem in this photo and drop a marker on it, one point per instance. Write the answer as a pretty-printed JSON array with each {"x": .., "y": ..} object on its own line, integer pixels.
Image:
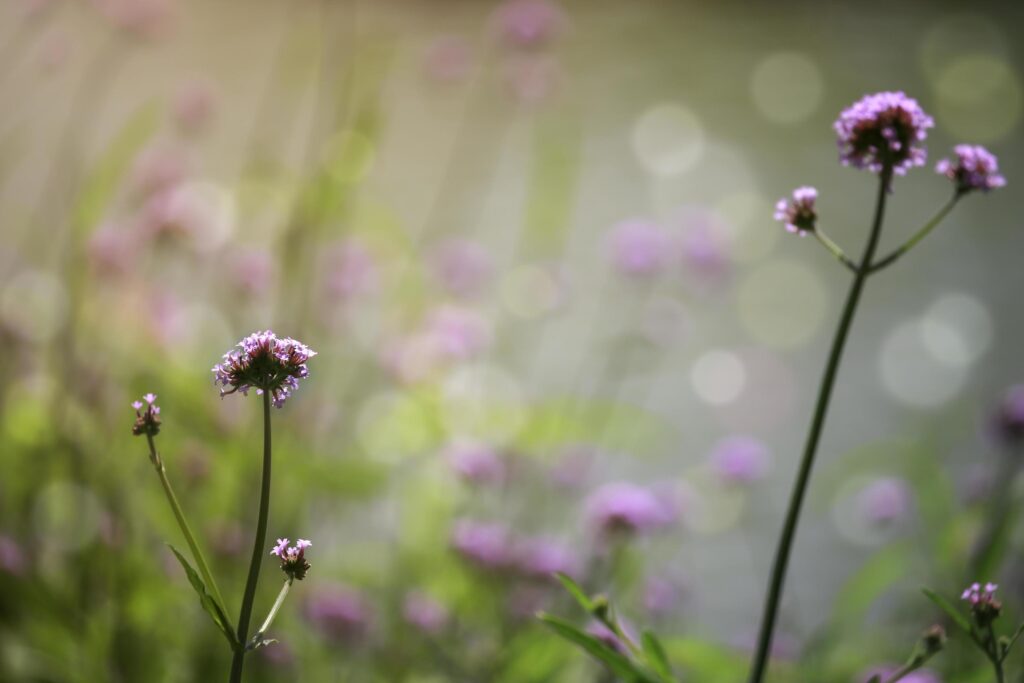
[
  {"x": 952, "y": 612},
  {"x": 656, "y": 656},
  {"x": 619, "y": 664},
  {"x": 576, "y": 591},
  {"x": 1012, "y": 640},
  {"x": 210, "y": 605}
]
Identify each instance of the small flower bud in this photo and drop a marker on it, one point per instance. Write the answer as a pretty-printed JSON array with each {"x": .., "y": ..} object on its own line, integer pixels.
[
  {"x": 600, "y": 607},
  {"x": 934, "y": 640},
  {"x": 798, "y": 214},
  {"x": 974, "y": 168}
]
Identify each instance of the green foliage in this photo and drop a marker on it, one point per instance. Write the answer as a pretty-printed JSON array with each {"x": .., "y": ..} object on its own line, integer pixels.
[{"x": 210, "y": 606}]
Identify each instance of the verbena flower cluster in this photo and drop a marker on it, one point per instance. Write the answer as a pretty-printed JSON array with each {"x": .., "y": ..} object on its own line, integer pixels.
[
  {"x": 798, "y": 214},
  {"x": 147, "y": 416},
  {"x": 293, "y": 559},
  {"x": 883, "y": 129},
  {"x": 984, "y": 606},
  {"x": 264, "y": 363},
  {"x": 974, "y": 168}
]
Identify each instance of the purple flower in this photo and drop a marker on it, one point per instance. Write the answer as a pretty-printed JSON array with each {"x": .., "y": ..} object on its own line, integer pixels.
[
  {"x": 460, "y": 333},
  {"x": 449, "y": 59},
  {"x": 264, "y": 363},
  {"x": 147, "y": 416},
  {"x": 540, "y": 557},
  {"x": 293, "y": 559},
  {"x": 740, "y": 459},
  {"x": 340, "y": 612},
  {"x": 625, "y": 507},
  {"x": 530, "y": 23},
  {"x": 884, "y": 501},
  {"x": 1009, "y": 418},
  {"x": 884, "y": 130},
  {"x": 975, "y": 168},
  {"x": 798, "y": 214},
  {"x": 486, "y": 545},
  {"x": 353, "y": 272},
  {"x": 462, "y": 267},
  {"x": 424, "y": 612},
  {"x": 976, "y": 594},
  {"x": 608, "y": 637},
  {"x": 639, "y": 247},
  {"x": 984, "y": 606},
  {"x": 475, "y": 462}
]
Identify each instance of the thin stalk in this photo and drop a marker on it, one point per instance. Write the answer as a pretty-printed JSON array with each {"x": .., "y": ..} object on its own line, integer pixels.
[
  {"x": 270, "y": 616},
  {"x": 785, "y": 546},
  {"x": 835, "y": 250},
  {"x": 907, "y": 668},
  {"x": 197, "y": 554},
  {"x": 917, "y": 236},
  {"x": 994, "y": 654},
  {"x": 258, "y": 549}
]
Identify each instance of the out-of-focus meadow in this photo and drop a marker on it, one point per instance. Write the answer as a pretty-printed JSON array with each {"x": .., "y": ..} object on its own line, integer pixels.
[{"x": 533, "y": 245}]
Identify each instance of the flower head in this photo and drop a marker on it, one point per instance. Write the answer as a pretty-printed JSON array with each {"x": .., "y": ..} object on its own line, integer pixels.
[
  {"x": 884, "y": 130},
  {"x": 340, "y": 612},
  {"x": 984, "y": 606},
  {"x": 529, "y": 24},
  {"x": 740, "y": 460},
  {"x": 798, "y": 214},
  {"x": 424, "y": 612},
  {"x": 974, "y": 168},
  {"x": 885, "y": 501},
  {"x": 264, "y": 363},
  {"x": 625, "y": 507},
  {"x": 486, "y": 545},
  {"x": 639, "y": 247},
  {"x": 147, "y": 416},
  {"x": 293, "y": 559}
]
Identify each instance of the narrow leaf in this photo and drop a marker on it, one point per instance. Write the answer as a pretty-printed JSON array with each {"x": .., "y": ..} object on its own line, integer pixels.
[
  {"x": 616, "y": 662},
  {"x": 576, "y": 591},
  {"x": 656, "y": 656},
  {"x": 1013, "y": 640},
  {"x": 210, "y": 605},
  {"x": 952, "y": 612}
]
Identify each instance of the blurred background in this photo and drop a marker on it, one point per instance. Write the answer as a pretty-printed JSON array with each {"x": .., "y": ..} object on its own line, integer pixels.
[{"x": 558, "y": 329}]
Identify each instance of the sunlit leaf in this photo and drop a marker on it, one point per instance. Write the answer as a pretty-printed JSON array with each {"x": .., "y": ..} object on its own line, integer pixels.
[{"x": 215, "y": 610}]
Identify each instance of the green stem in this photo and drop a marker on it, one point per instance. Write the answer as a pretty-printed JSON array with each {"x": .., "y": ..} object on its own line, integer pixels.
[
  {"x": 179, "y": 515},
  {"x": 785, "y": 545},
  {"x": 995, "y": 655},
  {"x": 835, "y": 249},
  {"x": 254, "y": 642},
  {"x": 258, "y": 549},
  {"x": 903, "y": 671},
  {"x": 918, "y": 236}
]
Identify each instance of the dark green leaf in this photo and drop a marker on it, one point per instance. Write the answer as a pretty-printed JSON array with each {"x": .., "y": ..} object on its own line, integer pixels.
[
  {"x": 210, "y": 605},
  {"x": 656, "y": 656},
  {"x": 952, "y": 612},
  {"x": 576, "y": 591}
]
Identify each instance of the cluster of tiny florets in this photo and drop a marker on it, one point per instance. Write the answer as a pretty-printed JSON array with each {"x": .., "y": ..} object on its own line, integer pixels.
[
  {"x": 974, "y": 168},
  {"x": 798, "y": 214},
  {"x": 883, "y": 130},
  {"x": 293, "y": 559},
  {"x": 147, "y": 416},
  {"x": 984, "y": 606},
  {"x": 264, "y": 363}
]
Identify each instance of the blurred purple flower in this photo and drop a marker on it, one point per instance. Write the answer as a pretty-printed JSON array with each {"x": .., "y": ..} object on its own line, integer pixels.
[
  {"x": 975, "y": 168},
  {"x": 608, "y": 637},
  {"x": 534, "y": 79},
  {"x": 740, "y": 459},
  {"x": 264, "y": 363},
  {"x": 475, "y": 462},
  {"x": 252, "y": 270},
  {"x": 147, "y": 19},
  {"x": 572, "y": 467},
  {"x": 157, "y": 168},
  {"x": 487, "y": 545},
  {"x": 639, "y": 247},
  {"x": 112, "y": 251},
  {"x": 463, "y": 267},
  {"x": 541, "y": 556},
  {"x": 530, "y": 24},
  {"x": 12, "y": 557},
  {"x": 449, "y": 59},
  {"x": 1008, "y": 422},
  {"x": 352, "y": 270},
  {"x": 884, "y": 501},
  {"x": 424, "y": 612},
  {"x": 883, "y": 129},
  {"x": 798, "y": 214},
  {"x": 279, "y": 654},
  {"x": 341, "y": 613},
  {"x": 624, "y": 507},
  {"x": 705, "y": 241},
  {"x": 461, "y": 333}
]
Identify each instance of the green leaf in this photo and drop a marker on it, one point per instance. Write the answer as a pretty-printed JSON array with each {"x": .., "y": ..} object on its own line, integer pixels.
[
  {"x": 210, "y": 605},
  {"x": 619, "y": 665},
  {"x": 952, "y": 612},
  {"x": 576, "y": 591},
  {"x": 707, "y": 662},
  {"x": 1012, "y": 640},
  {"x": 656, "y": 656}
]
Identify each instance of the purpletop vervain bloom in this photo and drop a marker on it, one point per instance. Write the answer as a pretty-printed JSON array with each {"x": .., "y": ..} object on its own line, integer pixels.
[
  {"x": 293, "y": 559},
  {"x": 424, "y": 612},
  {"x": 885, "y": 501},
  {"x": 265, "y": 363},
  {"x": 625, "y": 507},
  {"x": 798, "y": 214},
  {"x": 147, "y": 421},
  {"x": 340, "y": 612},
  {"x": 540, "y": 557},
  {"x": 883, "y": 130},
  {"x": 639, "y": 247},
  {"x": 984, "y": 606},
  {"x": 740, "y": 459},
  {"x": 975, "y": 168},
  {"x": 486, "y": 545}
]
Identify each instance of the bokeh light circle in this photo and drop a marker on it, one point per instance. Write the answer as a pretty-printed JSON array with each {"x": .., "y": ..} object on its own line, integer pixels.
[
  {"x": 483, "y": 402},
  {"x": 747, "y": 214},
  {"x": 392, "y": 425},
  {"x": 668, "y": 139},
  {"x": 980, "y": 98},
  {"x": 912, "y": 374},
  {"x": 718, "y": 377},
  {"x": 787, "y": 87},
  {"x": 782, "y": 303},
  {"x": 957, "y": 329}
]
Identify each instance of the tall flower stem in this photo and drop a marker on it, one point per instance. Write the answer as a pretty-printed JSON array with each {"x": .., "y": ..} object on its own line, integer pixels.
[
  {"x": 258, "y": 549},
  {"x": 785, "y": 544},
  {"x": 179, "y": 515},
  {"x": 255, "y": 641},
  {"x": 917, "y": 236}
]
